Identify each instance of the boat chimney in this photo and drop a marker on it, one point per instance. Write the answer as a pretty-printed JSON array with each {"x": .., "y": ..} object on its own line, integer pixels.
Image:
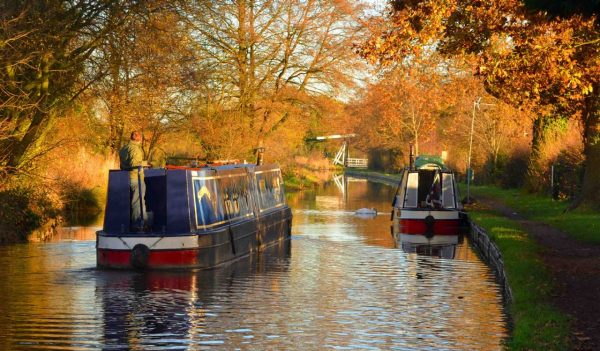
[
  {"x": 411, "y": 157},
  {"x": 260, "y": 156}
]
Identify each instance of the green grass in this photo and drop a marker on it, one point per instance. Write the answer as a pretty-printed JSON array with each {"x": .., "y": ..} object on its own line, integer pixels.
[
  {"x": 292, "y": 183},
  {"x": 536, "y": 324},
  {"x": 582, "y": 224}
]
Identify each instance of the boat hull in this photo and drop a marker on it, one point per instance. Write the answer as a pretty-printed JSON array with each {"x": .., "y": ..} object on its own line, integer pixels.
[
  {"x": 427, "y": 222},
  {"x": 108, "y": 258},
  {"x": 203, "y": 249}
]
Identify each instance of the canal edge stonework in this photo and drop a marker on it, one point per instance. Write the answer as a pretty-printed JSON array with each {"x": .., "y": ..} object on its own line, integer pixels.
[
  {"x": 376, "y": 177},
  {"x": 484, "y": 246},
  {"x": 491, "y": 255}
]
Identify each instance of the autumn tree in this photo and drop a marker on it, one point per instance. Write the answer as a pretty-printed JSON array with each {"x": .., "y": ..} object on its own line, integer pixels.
[
  {"x": 264, "y": 61},
  {"x": 45, "y": 47},
  {"x": 547, "y": 61},
  {"x": 430, "y": 102},
  {"x": 400, "y": 108},
  {"x": 148, "y": 81}
]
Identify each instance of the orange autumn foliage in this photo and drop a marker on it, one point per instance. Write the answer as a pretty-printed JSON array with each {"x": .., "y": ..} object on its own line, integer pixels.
[{"x": 526, "y": 57}]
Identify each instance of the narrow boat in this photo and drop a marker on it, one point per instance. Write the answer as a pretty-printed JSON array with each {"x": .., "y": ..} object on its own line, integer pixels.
[
  {"x": 426, "y": 201},
  {"x": 198, "y": 217}
]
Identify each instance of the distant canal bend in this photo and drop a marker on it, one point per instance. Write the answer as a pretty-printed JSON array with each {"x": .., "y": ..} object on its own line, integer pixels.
[{"x": 341, "y": 283}]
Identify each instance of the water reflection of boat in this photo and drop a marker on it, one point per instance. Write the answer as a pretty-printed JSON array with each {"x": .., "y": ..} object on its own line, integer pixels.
[
  {"x": 426, "y": 202},
  {"x": 164, "y": 309},
  {"x": 442, "y": 246},
  {"x": 202, "y": 217}
]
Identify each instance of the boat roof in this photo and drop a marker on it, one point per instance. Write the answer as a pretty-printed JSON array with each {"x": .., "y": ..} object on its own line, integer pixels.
[
  {"x": 429, "y": 162},
  {"x": 223, "y": 167}
]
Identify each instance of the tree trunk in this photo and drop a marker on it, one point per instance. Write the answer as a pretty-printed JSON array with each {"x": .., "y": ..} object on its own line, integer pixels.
[
  {"x": 242, "y": 55},
  {"x": 29, "y": 145},
  {"x": 590, "y": 190},
  {"x": 33, "y": 134},
  {"x": 416, "y": 141},
  {"x": 259, "y": 148},
  {"x": 534, "y": 166}
]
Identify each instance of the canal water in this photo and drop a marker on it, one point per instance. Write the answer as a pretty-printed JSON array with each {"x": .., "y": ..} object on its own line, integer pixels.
[{"x": 341, "y": 283}]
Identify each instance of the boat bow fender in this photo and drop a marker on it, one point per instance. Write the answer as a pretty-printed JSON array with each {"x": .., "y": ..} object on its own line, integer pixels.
[
  {"x": 139, "y": 256},
  {"x": 429, "y": 223}
]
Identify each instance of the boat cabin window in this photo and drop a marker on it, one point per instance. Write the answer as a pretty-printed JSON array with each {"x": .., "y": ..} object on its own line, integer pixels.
[
  {"x": 237, "y": 198},
  {"x": 448, "y": 190},
  {"x": 429, "y": 188},
  {"x": 209, "y": 210},
  {"x": 412, "y": 187},
  {"x": 270, "y": 189},
  {"x": 401, "y": 191}
]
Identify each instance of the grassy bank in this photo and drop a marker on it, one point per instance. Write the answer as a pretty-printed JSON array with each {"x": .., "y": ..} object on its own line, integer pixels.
[
  {"x": 307, "y": 174},
  {"x": 537, "y": 325},
  {"x": 294, "y": 182},
  {"x": 582, "y": 224}
]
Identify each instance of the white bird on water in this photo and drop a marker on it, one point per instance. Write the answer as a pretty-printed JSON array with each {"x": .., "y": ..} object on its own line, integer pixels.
[{"x": 366, "y": 211}]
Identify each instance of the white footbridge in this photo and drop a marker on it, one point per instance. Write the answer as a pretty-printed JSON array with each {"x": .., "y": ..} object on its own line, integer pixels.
[{"x": 342, "y": 157}]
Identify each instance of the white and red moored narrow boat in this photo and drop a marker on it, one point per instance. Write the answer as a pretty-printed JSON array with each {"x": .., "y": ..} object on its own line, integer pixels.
[
  {"x": 198, "y": 217},
  {"x": 426, "y": 202}
]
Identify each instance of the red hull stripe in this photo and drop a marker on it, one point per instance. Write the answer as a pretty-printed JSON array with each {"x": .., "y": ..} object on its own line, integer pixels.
[
  {"x": 162, "y": 258},
  {"x": 440, "y": 227}
]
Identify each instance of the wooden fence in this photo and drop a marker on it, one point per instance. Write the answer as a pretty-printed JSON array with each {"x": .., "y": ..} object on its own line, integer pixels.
[{"x": 357, "y": 162}]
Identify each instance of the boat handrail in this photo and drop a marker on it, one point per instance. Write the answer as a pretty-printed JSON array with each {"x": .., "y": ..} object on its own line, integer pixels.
[{"x": 197, "y": 162}]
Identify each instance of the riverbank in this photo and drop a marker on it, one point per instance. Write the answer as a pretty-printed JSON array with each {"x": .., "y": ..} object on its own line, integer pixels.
[
  {"x": 307, "y": 174},
  {"x": 570, "y": 280},
  {"x": 536, "y": 324},
  {"x": 386, "y": 178},
  {"x": 582, "y": 224},
  {"x": 544, "y": 265},
  {"x": 33, "y": 212}
]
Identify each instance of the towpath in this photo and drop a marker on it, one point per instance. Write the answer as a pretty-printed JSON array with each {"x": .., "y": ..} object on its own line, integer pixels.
[{"x": 575, "y": 270}]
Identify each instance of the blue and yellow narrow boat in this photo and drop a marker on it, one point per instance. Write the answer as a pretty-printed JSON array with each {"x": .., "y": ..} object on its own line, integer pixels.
[{"x": 199, "y": 217}]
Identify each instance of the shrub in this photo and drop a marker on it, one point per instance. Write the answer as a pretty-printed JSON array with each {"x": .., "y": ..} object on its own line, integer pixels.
[
  {"x": 515, "y": 170},
  {"x": 568, "y": 173},
  {"x": 78, "y": 198},
  {"x": 24, "y": 209},
  {"x": 386, "y": 160}
]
